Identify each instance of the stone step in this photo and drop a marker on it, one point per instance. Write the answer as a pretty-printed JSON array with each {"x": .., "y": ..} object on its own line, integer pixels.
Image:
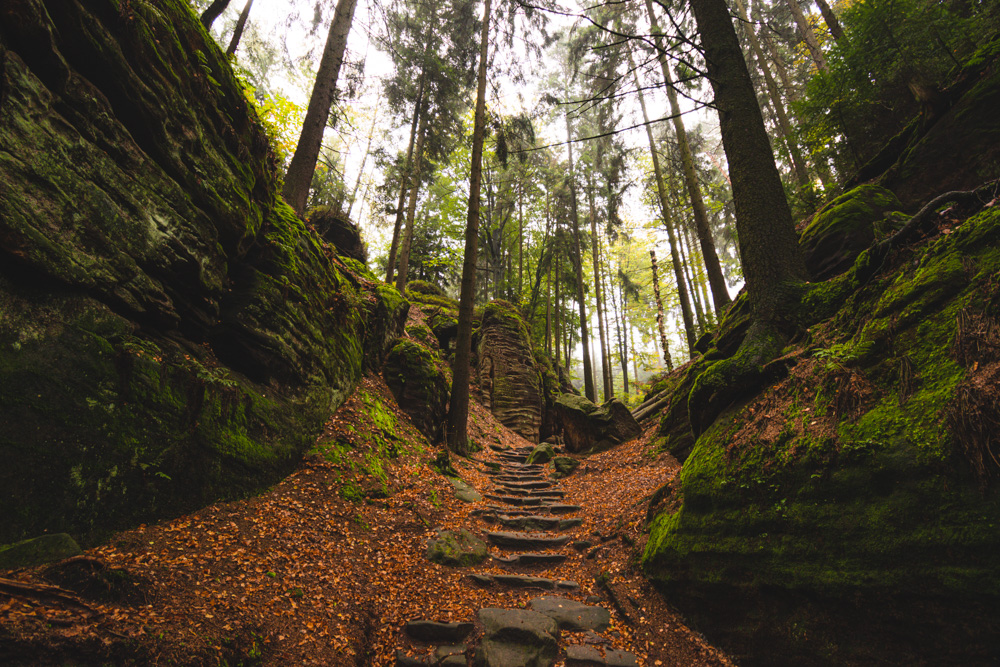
[
  {"x": 443, "y": 656},
  {"x": 537, "y": 493},
  {"x": 531, "y": 559},
  {"x": 571, "y": 615},
  {"x": 512, "y": 458},
  {"x": 433, "y": 632},
  {"x": 528, "y": 484},
  {"x": 519, "y": 468},
  {"x": 519, "y": 501},
  {"x": 527, "y": 477},
  {"x": 536, "y": 522},
  {"x": 559, "y": 509},
  {"x": 517, "y": 638},
  {"x": 588, "y": 656},
  {"x": 514, "y": 540},
  {"x": 523, "y": 581}
]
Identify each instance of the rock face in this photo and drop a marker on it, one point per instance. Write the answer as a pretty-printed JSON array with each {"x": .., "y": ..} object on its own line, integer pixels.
[
  {"x": 338, "y": 230},
  {"x": 845, "y": 227},
  {"x": 171, "y": 332},
  {"x": 507, "y": 373},
  {"x": 845, "y": 513},
  {"x": 591, "y": 428},
  {"x": 420, "y": 384}
]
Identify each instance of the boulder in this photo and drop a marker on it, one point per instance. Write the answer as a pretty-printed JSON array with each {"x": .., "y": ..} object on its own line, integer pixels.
[
  {"x": 38, "y": 550},
  {"x": 517, "y": 638},
  {"x": 571, "y": 615},
  {"x": 564, "y": 466},
  {"x": 339, "y": 231},
  {"x": 421, "y": 386},
  {"x": 506, "y": 371},
  {"x": 461, "y": 549},
  {"x": 542, "y": 453},
  {"x": 591, "y": 428},
  {"x": 844, "y": 228}
]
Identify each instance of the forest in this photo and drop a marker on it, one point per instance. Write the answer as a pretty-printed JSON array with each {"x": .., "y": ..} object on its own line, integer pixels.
[{"x": 499, "y": 333}]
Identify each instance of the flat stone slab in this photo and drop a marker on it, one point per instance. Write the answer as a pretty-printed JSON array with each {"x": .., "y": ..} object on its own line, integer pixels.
[
  {"x": 433, "y": 632},
  {"x": 521, "y": 501},
  {"x": 559, "y": 508},
  {"x": 583, "y": 656},
  {"x": 459, "y": 549},
  {"x": 527, "y": 477},
  {"x": 523, "y": 581},
  {"x": 465, "y": 491},
  {"x": 517, "y": 638},
  {"x": 572, "y": 615},
  {"x": 531, "y": 559},
  {"x": 529, "y": 484},
  {"x": 513, "y": 540}
]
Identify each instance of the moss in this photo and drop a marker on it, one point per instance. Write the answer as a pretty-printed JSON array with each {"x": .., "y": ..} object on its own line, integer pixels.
[
  {"x": 424, "y": 287},
  {"x": 432, "y": 300},
  {"x": 421, "y": 384}
]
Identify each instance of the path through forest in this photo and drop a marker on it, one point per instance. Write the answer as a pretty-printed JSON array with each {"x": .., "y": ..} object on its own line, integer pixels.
[{"x": 308, "y": 573}]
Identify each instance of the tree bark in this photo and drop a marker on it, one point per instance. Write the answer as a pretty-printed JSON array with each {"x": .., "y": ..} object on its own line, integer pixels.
[
  {"x": 807, "y": 34},
  {"x": 213, "y": 12},
  {"x": 720, "y": 292},
  {"x": 303, "y": 164},
  {"x": 659, "y": 312},
  {"x": 411, "y": 209},
  {"x": 458, "y": 409},
  {"x": 661, "y": 191},
  {"x": 588, "y": 377},
  {"x": 404, "y": 178},
  {"x": 831, "y": 19},
  {"x": 241, "y": 24},
  {"x": 772, "y": 262}
]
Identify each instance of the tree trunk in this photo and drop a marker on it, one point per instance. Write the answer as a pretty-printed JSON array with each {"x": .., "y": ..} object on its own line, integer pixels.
[
  {"x": 411, "y": 209},
  {"x": 831, "y": 19},
  {"x": 659, "y": 312},
  {"x": 558, "y": 322},
  {"x": 548, "y": 310},
  {"x": 588, "y": 377},
  {"x": 807, "y": 34},
  {"x": 794, "y": 152},
  {"x": 241, "y": 24},
  {"x": 404, "y": 179},
  {"x": 621, "y": 329},
  {"x": 458, "y": 409},
  {"x": 772, "y": 263},
  {"x": 520, "y": 239},
  {"x": 213, "y": 12},
  {"x": 667, "y": 222},
  {"x": 598, "y": 301},
  {"x": 364, "y": 160},
  {"x": 609, "y": 387},
  {"x": 720, "y": 292},
  {"x": 303, "y": 164}
]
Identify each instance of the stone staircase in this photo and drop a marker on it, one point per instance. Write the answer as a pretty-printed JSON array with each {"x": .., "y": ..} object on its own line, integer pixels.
[{"x": 525, "y": 520}]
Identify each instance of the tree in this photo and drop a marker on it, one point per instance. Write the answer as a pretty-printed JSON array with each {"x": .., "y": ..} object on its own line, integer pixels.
[
  {"x": 303, "y": 164},
  {"x": 458, "y": 408},
  {"x": 241, "y": 23},
  {"x": 213, "y": 12}
]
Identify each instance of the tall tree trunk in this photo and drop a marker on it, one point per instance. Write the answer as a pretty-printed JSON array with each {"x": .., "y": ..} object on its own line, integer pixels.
[
  {"x": 635, "y": 357},
  {"x": 720, "y": 293},
  {"x": 458, "y": 409},
  {"x": 595, "y": 254},
  {"x": 303, "y": 164},
  {"x": 772, "y": 263},
  {"x": 831, "y": 19},
  {"x": 807, "y": 34},
  {"x": 404, "y": 177},
  {"x": 364, "y": 160},
  {"x": 558, "y": 331},
  {"x": 661, "y": 191},
  {"x": 588, "y": 377},
  {"x": 794, "y": 152},
  {"x": 411, "y": 209},
  {"x": 548, "y": 310},
  {"x": 241, "y": 24},
  {"x": 659, "y": 312},
  {"x": 520, "y": 239},
  {"x": 609, "y": 388},
  {"x": 687, "y": 261},
  {"x": 213, "y": 12},
  {"x": 621, "y": 330}
]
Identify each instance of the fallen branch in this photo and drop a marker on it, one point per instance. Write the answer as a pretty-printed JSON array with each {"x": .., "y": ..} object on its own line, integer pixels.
[{"x": 51, "y": 594}]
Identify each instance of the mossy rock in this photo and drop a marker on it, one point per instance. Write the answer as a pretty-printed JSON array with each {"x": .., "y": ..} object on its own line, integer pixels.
[
  {"x": 542, "y": 453},
  {"x": 835, "y": 516},
  {"x": 428, "y": 301},
  {"x": 564, "y": 466},
  {"x": 424, "y": 287},
  {"x": 38, "y": 550},
  {"x": 456, "y": 549},
  {"x": 339, "y": 231},
  {"x": 423, "y": 335},
  {"x": 845, "y": 227},
  {"x": 420, "y": 384}
]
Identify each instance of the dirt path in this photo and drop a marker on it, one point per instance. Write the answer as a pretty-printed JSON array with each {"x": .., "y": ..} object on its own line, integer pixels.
[{"x": 329, "y": 565}]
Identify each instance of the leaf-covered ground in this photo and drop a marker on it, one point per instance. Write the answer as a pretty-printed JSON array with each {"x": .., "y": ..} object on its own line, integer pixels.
[{"x": 325, "y": 567}]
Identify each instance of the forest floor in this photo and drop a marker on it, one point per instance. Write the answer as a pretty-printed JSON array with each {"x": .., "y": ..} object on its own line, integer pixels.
[{"x": 326, "y": 567}]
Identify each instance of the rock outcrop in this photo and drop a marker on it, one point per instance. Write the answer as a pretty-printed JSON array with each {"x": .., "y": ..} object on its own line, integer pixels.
[
  {"x": 507, "y": 372},
  {"x": 171, "y": 333},
  {"x": 421, "y": 384},
  {"x": 591, "y": 428}
]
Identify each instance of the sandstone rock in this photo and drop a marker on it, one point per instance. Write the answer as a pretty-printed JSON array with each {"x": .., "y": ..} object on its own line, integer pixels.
[
  {"x": 506, "y": 370},
  {"x": 460, "y": 549},
  {"x": 572, "y": 615},
  {"x": 564, "y": 466},
  {"x": 590, "y": 428},
  {"x": 543, "y": 453},
  {"x": 420, "y": 385},
  {"x": 517, "y": 638},
  {"x": 38, "y": 550},
  {"x": 339, "y": 231}
]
